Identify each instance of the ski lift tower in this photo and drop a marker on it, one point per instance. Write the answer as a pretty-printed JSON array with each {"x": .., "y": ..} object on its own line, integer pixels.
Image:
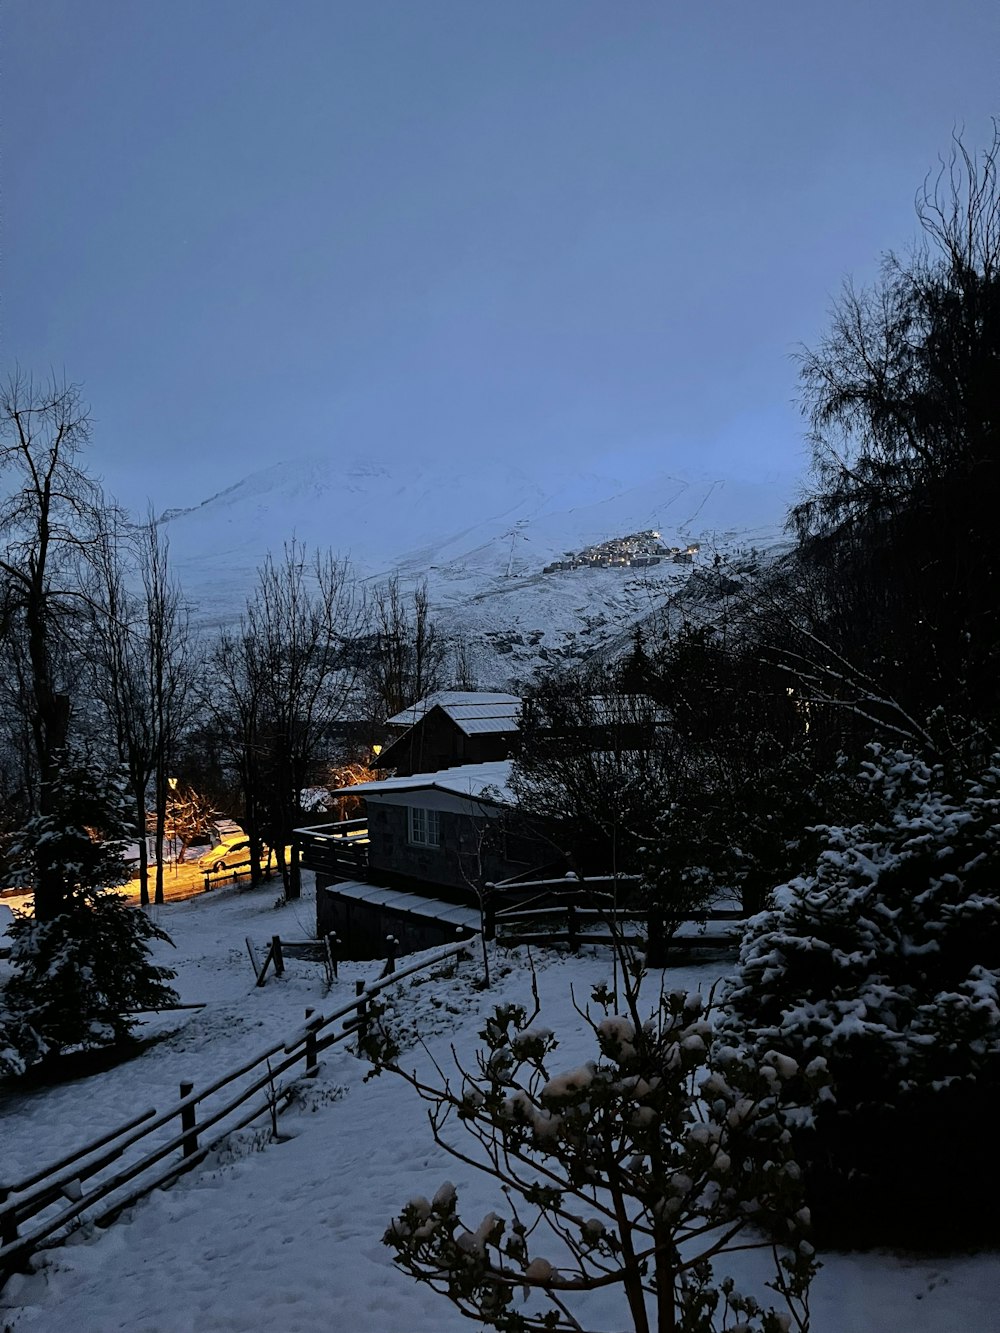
[{"x": 513, "y": 534}]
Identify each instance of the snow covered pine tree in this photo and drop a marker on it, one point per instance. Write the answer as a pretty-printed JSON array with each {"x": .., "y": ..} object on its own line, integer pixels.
[
  {"x": 78, "y": 975},
  {"x": 881, "y": 968}
]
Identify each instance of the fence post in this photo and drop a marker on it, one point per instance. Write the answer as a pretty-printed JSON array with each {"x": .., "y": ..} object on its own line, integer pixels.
[
  {"x": 489, "y": 912},
  {"x": 571, "y": 930},
  {"x": 312, "y": 1065},
  {"x": 330, "y": 942},
  {"x": 277, "y": 955},
  {"x": 391, "y": 944},
  {"x": 268, "y": 957},
  {"x": 362, "y": 1028},
  {"x": 188, "y": 1123},
  {"x": 656, "y": 953},
  {"x": 8, "y": 1229}
]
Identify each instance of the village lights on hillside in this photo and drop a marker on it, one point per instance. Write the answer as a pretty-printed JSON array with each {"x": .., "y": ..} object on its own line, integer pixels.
[{"x": 635, "y": 548}]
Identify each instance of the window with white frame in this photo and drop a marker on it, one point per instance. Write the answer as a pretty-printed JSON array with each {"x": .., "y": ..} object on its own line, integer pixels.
[{"x": 424, "y": 827}]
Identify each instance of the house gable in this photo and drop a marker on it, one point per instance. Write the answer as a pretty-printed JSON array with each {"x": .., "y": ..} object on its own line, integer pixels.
[{"x": 459, "y": 728}]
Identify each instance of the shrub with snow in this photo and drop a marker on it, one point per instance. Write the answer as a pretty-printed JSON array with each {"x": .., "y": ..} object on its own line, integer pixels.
[
  {"x": 882, "y": 968},
  {"x": 631, "y": 1173}
]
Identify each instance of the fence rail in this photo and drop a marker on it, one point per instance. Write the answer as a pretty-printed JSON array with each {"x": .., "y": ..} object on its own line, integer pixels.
[
  {"x": 325, "y": 950},
  {"x": 238, "y": 874},
  {"x": 26, "y": 1217},
  {"x": 339, "y": 850},
  {"x": 580, "y": 904}
]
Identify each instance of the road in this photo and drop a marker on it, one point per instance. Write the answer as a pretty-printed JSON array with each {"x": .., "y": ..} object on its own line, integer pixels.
[{"x": 179, "y": 883}]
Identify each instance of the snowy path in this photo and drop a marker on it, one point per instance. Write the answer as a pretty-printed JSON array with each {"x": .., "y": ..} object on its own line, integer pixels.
[{"x": 287, "y": 1236}]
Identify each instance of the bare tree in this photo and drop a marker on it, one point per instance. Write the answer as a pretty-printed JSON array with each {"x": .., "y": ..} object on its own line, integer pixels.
[
  {"x": 232, "y": 697},
  {"x": 121, "y": 663},
  {"x": 171, "y": 672},
  {"x": 288, "y": 676},
  {"x": 189, "y": 817},
  {"x": 143, "y": 671},
  {"x": 49, "y": 524},
  {"x": 407, "y": 657},
  {"x": 594, "y": 770},
  {"x": 463, "y": 673}
]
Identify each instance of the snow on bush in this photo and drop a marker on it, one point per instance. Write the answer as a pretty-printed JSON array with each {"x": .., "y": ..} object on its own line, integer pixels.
[
  {"x": 882, "y": 966},
  {"x": 634, "y": 1171}
]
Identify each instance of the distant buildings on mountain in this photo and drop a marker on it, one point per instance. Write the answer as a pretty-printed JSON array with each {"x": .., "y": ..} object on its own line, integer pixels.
[{"x": 636, "y": 550}]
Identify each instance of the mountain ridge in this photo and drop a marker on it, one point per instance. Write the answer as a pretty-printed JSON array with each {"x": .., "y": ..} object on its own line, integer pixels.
[{"x": 482, "y": 539}]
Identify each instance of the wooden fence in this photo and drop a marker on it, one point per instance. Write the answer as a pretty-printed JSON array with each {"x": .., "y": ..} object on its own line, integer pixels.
[
  {"x": 325, "y": 950},
  {"x": 38, "y": 1207},
  {"x": 567, "y": 911},
  {"x": 236, "y": 875}
]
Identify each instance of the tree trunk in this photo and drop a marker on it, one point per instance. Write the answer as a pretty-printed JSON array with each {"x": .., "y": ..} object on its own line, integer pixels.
[
  {"x": 50, "y": 888},
  {"x": 294, "y": 874},
  {"x": 279, "y": 853},
  {"x": 666, "y": 1311},
  {"x": 140, "y": 807},
  {"x": 50, "y": 726},
  {"x": 251, "y": 816},
  {"x": 161, "y": 822}
]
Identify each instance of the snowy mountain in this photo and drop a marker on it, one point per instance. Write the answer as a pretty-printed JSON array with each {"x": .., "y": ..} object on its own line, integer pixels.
[{"x": 482, "y": 537}]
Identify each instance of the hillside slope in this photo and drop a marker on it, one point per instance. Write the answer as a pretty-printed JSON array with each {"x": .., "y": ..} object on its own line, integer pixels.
[{"x": 482, "y": 538}]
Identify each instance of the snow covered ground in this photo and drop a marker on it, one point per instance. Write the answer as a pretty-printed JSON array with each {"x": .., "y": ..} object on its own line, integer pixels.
[{"x": 286, "y": 1236}]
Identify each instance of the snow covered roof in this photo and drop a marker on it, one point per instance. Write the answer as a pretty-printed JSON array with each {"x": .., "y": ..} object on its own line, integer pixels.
[
  {"x": 227, "y": 828},
  {"x": 479, "y": 717},
  {"x": 450, "y": 699},
  {"x": 626, "y": 708},
  {"x": 403, "y": 901},
  {"x": 487, "y": 782}
]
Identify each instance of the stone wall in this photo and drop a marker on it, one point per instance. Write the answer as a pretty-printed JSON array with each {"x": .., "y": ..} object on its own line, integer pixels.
[
  {"x": 362, "y": 927},
  {"x": 463, "y": 860}
]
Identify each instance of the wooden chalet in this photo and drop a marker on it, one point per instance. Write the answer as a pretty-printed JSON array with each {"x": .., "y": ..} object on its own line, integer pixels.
[
  {"x": 449, "y": 728},
  {"x": 441, "y": 823},
  {"x": 416, "y": 864},
  {"x": 432, "y": 833}
]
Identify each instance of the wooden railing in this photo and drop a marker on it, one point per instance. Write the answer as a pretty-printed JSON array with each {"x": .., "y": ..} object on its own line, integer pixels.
[
  {"x": 513, "y": 908},
  {"x": 567, "y": 910},
  {"x": 38, "y": 1207},
  {"x": 339, "y": 850}
]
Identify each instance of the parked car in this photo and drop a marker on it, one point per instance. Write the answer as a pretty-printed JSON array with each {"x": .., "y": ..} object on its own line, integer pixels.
[{"x": 229, "y": 854}]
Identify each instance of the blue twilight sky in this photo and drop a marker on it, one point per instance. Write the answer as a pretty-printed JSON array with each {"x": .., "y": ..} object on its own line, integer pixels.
[{"x": 551, "y": 229}]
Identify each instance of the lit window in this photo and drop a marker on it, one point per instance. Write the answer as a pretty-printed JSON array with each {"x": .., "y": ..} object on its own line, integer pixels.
[{"x": 425, "y": 827}]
